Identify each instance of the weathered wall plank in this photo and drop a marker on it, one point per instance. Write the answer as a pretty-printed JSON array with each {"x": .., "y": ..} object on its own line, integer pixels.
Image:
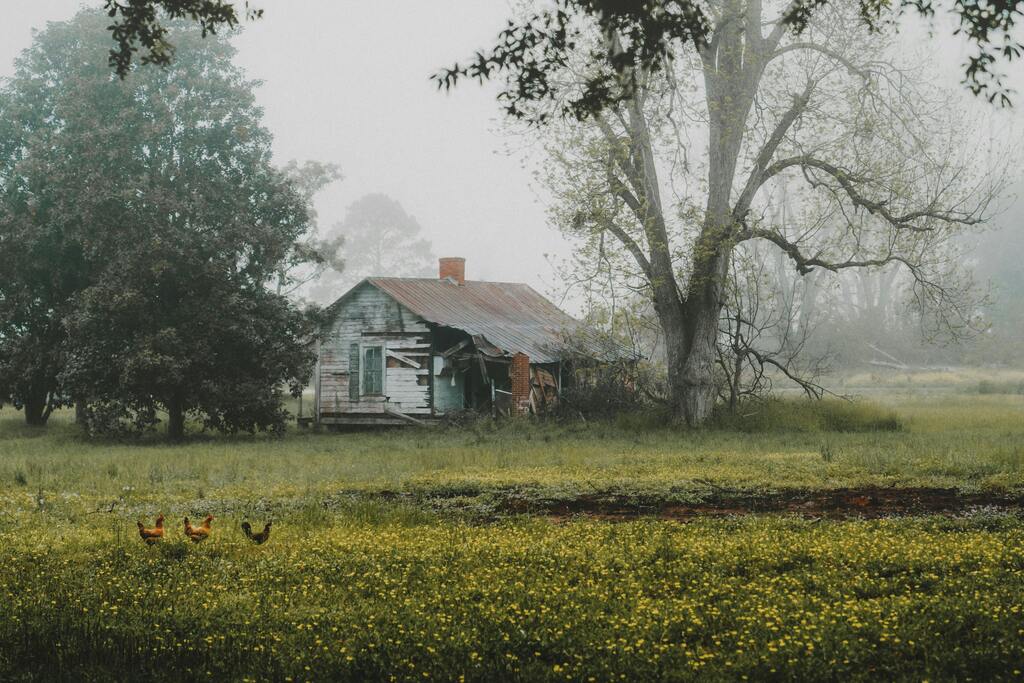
[{"x": 370, "y": 317}]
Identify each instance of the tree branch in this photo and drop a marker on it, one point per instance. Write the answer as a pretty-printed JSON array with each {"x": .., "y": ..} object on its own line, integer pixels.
[
  {"x": 630, "y": 245},
  {"x": 831, "y": 54},
  {"x": 755, "y": 179},
  {"x": 811, "y": 389},
  {"x": 848, "y": 182},
  {"x": 806, "y": 264}
]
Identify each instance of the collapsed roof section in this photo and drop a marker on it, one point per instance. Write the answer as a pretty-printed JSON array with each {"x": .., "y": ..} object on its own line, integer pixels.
[{"x": 504, "y": 318}]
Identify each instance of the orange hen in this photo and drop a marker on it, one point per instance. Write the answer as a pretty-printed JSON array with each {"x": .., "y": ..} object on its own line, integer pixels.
[
  {"x": 154, "y": 535},
  {"x": 198, "y": 533}
]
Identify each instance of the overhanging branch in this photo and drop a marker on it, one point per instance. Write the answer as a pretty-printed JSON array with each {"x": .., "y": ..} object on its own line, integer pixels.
[
  {"x": 849, "y": 181},
  {"x": 831, "y": 54},
  {"x": 805, "y": 264}
]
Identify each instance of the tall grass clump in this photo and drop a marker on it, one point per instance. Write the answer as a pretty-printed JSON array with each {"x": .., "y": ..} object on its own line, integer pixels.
[
  {"x": 803, "y": 416},
  {"x": 987, "y": 386}
]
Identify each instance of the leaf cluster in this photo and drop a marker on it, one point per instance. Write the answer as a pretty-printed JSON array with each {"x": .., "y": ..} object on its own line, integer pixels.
[
  {"x": 641, "y": 36},
  {"x": 143, "y": 22}
]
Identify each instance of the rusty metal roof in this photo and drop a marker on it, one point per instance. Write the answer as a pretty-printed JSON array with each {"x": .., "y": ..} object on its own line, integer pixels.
[{"x": 509, "y": 315}]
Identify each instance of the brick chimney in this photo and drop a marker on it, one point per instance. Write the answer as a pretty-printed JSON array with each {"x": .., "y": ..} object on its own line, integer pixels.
[
  {"x": 520, "y": 376},
  {"x": 453, "y": 267}
]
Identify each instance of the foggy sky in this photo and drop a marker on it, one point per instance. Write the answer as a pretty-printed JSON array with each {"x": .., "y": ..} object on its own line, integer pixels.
[{"x": 347, "y": 82}]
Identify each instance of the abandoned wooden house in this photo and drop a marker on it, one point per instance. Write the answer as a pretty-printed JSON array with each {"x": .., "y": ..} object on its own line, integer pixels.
[{"x": 405, "y": 350}]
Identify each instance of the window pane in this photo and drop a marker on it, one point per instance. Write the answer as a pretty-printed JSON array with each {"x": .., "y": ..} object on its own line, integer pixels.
[{"x": 373, "y": 370}]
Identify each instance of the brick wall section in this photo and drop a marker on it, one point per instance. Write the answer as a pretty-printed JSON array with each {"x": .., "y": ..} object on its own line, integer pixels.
[
  {"x": 520, "y": 375},
  {"x": 453, "y": 267}
]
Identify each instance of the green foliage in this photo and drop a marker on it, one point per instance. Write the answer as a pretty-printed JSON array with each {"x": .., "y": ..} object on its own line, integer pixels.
[
  {"x": 146, "y": 216},
  {"x": 142, "y": 23},
  {"x": 530, "y": 51}
]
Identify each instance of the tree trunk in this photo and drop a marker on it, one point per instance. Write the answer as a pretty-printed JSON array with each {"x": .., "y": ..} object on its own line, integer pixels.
[
  {"x": 80, "y": 407},
  {"x": 36, "y": 413},
  {"x": 733, "y": 63},
  {"x": 698, "y": 379},
  {"x": 691, "y": 344},
  {"x": 675, "y": 355},
  {"x": 175, "y": 419},
  {"x": 691, "y": 369}
]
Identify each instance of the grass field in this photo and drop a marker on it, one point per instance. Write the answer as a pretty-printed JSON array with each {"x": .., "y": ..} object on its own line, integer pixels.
[{"x": 395, "y": 555}]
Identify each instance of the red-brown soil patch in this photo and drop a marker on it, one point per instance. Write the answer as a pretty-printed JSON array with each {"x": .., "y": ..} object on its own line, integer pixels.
[{"x": 867, "y": 502}]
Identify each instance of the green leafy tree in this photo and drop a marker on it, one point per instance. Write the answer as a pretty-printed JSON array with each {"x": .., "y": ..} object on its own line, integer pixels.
[
  {"x": 59, "y": 186},
  {"x": 148, "y": 226}
]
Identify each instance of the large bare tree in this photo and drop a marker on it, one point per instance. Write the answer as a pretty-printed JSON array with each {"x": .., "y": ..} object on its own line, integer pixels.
[{"x": 666, "y": 185}]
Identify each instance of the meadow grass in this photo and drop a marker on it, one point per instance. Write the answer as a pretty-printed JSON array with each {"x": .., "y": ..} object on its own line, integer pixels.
[
  {"x": 374, "y": 570},
  {"x": 951, "y": 380},
  {"x": 390, "y": 594},
  {"x": 971, "y": 443}
]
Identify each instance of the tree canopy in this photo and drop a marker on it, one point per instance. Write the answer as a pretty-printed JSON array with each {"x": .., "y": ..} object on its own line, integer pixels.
[
  {"x": 143, "y": 23},
  {"x": 531, "y": 50},
  {"x": 143, "y": 223},
  {"x": 671, "y": 192},
  {"x": 642, "y": 36}
]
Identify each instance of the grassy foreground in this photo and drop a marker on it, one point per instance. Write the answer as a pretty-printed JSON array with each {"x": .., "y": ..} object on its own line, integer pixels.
[
  {"x": 382, "y": 595},
  {"x": 379, "y": 567}
]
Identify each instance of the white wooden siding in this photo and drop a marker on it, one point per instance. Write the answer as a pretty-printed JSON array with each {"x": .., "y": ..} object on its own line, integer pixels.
[{"x": 369, "y": 317}]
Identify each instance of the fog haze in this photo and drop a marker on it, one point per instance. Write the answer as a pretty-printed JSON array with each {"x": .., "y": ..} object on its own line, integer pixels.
[{"x": 348, "y": 83}]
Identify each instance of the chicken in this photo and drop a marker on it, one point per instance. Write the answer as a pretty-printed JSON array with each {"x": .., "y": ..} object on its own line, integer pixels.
[
  {"x": 154, "y": 535},
  {"x": 198, "y": 533},
  {"x": 258, "y": 538}
]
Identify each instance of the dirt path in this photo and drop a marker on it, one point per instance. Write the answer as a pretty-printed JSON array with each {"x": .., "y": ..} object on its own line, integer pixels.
[{"x": 869, "y": 502}]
